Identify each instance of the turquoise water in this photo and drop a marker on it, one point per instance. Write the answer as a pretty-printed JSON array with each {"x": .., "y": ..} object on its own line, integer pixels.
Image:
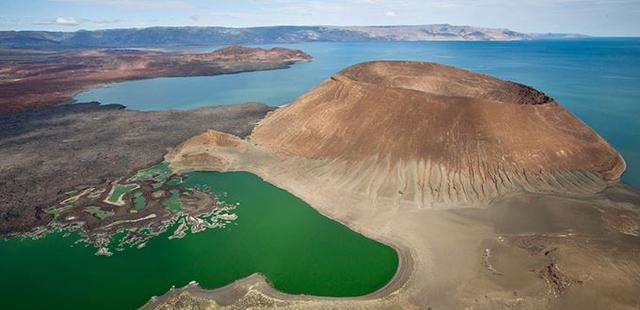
[
  {"x": 295, "y": 247},
  {"x": 597, "y": 79}
]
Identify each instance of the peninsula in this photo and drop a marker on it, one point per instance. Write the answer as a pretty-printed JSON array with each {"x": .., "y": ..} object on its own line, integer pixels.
[{"x": 33, "y": 79}]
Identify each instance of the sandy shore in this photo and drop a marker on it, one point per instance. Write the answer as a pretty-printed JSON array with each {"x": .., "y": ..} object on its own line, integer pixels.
[{"x": 450, "y": 258}]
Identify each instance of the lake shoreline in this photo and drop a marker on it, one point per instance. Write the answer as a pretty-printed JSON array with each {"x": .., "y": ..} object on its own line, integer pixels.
[
  {"x": 128, "y": 141},
  {"x": 57, "y": 78},
  {"x": 232, "y": 293},
  {"x": 456, "y": 253}
]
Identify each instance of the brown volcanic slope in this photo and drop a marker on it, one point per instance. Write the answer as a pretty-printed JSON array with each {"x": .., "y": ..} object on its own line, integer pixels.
[{"x": 433, "y": 134}]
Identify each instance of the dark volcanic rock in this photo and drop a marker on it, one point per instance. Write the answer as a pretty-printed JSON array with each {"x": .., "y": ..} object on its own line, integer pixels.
[{"x": 47, "y": 152}]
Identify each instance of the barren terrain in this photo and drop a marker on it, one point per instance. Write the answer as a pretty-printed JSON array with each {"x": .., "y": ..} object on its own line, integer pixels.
[
  {"x": 433, "y": 134},
  {"x": 47, "y": 152},
  {"x": 33, "y": 79},
  {"x": 500, "y": 197}
]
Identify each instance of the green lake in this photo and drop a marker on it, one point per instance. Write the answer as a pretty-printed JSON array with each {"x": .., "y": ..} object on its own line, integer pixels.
[{"x": 296, "y": 248}]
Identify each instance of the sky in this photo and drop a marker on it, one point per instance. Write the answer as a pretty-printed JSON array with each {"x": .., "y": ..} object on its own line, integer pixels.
[{"x": 592, "y": 17}]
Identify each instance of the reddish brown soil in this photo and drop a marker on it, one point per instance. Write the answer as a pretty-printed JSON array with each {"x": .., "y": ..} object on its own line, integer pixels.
[
  {"x": 439, "y": 136},
  {"x": 30, "y": 79},
  {"x": 424, "y": 111}
]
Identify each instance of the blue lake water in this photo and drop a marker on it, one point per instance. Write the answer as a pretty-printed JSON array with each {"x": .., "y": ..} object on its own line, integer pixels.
[{"x": 596, "y": 79}]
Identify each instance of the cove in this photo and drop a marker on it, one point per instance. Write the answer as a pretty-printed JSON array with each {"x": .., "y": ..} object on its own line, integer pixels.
[{"x": 296, "y": 248}]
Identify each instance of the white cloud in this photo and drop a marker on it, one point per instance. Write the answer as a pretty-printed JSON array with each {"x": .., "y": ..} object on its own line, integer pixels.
[
  {"x": 67, "y": 21},
  {"x": 60, "y": 21},
  {"x": 599, "y": 17},
  {"x": 71, "y": 21},
  {"x": 145, "y": 4}
]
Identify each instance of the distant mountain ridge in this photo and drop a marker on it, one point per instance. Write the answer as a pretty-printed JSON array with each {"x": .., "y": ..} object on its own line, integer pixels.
[
  {"x": 194, "y": 36},
  {"x": 553, "y": 35}
]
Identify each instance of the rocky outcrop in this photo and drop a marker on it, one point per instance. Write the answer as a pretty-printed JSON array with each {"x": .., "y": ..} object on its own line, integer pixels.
[
  {"x": 47, "y": 152},
  {"x": 237, "y": 53}
]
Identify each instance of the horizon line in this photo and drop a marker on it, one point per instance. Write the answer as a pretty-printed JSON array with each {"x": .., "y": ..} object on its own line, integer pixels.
[{"x": 322, "y": 25}]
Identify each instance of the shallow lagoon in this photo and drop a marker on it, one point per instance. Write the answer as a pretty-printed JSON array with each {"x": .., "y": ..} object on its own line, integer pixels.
[
  {"x": 597, "y": 79},
  {"x": 277, "y": 234}
]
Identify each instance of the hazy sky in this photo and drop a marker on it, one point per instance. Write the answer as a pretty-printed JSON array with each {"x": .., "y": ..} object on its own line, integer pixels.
[{"x": 595, "y": 17}]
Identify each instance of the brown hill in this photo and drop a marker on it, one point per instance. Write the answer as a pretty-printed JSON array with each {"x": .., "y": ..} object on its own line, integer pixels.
[
  {"x": 390, "y": 148},
  {"x": 250, "y": 54},
  {"x": 432, "y": 133}
]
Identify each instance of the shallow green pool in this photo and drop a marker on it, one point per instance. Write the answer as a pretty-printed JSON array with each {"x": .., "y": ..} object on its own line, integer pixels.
[{"x": 277, "y": 234}]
